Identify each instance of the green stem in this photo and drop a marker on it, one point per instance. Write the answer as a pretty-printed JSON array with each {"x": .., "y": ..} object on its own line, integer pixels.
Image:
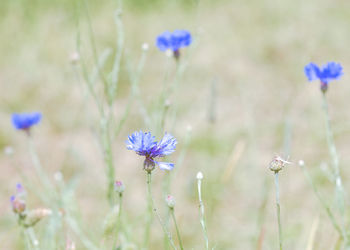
[
  {"x": 334, "y": 156},
  {"x": 322, "y": 201},
  {"x": 176, "y": 227},
  {"x": 201, "y": 211},
  {"x": 278, "y": 209},
  {"x": 153, "y": 207}
]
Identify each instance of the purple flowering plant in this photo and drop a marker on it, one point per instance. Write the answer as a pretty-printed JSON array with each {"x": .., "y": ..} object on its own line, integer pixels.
[
  {"x": 174, "y": 41},
  {"x": 326, "y": 73},
  {"x": 144, "y": 144},
  {"x": 25, "y": 121}
]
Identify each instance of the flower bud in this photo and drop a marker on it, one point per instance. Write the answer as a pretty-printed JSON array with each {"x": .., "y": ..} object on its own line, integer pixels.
[
  {"x": 148, "y": 165},
  {"x": 119, "y": 187},
  {"x": 277, "y": 164},
  {"x": 199, "y": 176},
  {"x": 170, "y": 201},
  {"x": 18, "y": 205}
]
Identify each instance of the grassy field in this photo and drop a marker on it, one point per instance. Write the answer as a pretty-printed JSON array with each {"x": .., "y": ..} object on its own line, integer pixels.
[{"x": 240, "y": 97}]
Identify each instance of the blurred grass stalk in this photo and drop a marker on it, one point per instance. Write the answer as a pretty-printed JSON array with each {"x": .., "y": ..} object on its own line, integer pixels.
[
  {"x": 334, "y": 157},
  {"x": 201, "y": 209},
  {"x": 324, "y": 204}
]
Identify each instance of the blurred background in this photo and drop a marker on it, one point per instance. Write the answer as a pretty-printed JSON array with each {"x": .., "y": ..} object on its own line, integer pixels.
[{"x": 242, "y": 99}]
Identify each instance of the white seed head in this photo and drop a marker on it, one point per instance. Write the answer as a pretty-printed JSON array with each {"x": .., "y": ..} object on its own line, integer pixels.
[
  {"x": 145, "y": 46},
  {"x": 199, "y": 176}
]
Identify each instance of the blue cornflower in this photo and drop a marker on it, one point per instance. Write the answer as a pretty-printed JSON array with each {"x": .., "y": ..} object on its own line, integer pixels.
[
  {"x": 328, "y": 72},
  {"x": 144, "y": 144},
  {"x": 25, "y": 120},
  {"x": 174, "y": 41}
]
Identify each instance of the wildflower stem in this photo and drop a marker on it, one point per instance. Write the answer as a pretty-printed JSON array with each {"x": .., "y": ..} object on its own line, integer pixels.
[
  {"x": 176, "y": 227},
  {"x": 201, "y": 211},
  {"x": 278, "y": 209},
  {"x": 153, "y": 207},
  {"x": 37, "y": 165},
  {"x": 322, "y": 201},
  {"x": 334, "y": 155}
]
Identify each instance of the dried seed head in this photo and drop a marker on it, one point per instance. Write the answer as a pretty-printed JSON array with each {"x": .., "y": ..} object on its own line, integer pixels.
[
  {"x": 34, "y": 216},
  {"x": 277, "y": 164}
]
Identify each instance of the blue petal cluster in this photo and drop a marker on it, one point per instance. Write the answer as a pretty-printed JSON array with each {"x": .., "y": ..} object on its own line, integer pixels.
[
  {"x": 174, "y": 41},
  {"x": 326, "y": 73},
  {"x": 25, "y": 120},
  {"x": 145, "y": 144}
]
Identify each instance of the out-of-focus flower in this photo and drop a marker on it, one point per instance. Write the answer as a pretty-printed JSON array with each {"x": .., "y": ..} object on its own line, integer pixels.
[
  {"x": 277, "y": 164},
  {"x": 174, "y": 41},
  {"x": 18, "y": 200},
  {"x": 119, "y": 187},
  {"x": 328, "y": 72},
  {"x": 25, "y": 120},
  {"x": 170, "y": 201},
  {"x": 74, "y": 57},
  {"x": 18, "y": 205},
  {"x": 34, "y": 216},
  {"x": 144, "y": 144}
]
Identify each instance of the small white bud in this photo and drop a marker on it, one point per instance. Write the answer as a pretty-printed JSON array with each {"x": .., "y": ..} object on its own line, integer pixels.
[
  {"x": 199, "y": 176},
  {"x": 58, "y": 176},
  {"x": 169, "y": 53},
  {"x": 189, "y": 128},
  {"x": 170, "y": 201},
  {"x": 301, "y": 163},
  {"x": 145, "y": 46},
  {"x": 8, "y": 150},
  {"x": 74, "y": 57}
]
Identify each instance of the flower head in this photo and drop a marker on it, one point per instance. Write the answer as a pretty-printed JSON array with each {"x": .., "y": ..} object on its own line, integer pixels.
[
  {"x": 170, "y": 201},
  {"x": 18, "y": 201},
  {"x": 144, "y": 144},
  {"x": 25, "y": 120},
  {"x": 174, "y": 41},
  {"x": 119, "y": 187},
  {"x": 328, "y": 72},
  {"x": 278, "y": 163}
]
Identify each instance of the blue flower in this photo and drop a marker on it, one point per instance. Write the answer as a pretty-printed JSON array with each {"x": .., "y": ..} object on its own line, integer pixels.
[
  {"x": 144, "y": 144},
  {"x": 174, "y": 41},
  {"x": 25, "y": 120},
  {"x": 326, "y": 73}
]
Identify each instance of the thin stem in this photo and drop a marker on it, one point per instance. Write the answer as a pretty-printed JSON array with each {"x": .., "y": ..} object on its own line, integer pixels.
[
  {"x": 322, "y": 201},
  {"x": 334, "y": 156},
  {"x": 176, "y": 227},
  {"x": 153, "y": 207},
  {"x": 201, "y": 211},
  {"x": 278, "y": 209},
  {"x": 119, "y": 224}
]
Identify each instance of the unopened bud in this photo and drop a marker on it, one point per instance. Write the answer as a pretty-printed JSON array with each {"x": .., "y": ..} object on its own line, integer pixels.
[
  {"x": 70, "y": 245},
  {"x": 18, "y": 205},
  {"x": 277, "y": 164},
  {"x": 148, "y": 165},
  {"x": 74, "y": 57},
  {"x": 301, "y": 163},
  {"x": 199, "y": 176},
  {"x": 170, "y": 201},
  {"x": 145, "y": 46},
  {"x": 119, "y": 187}
]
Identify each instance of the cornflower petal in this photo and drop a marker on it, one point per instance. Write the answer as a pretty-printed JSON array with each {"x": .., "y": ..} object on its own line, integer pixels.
[
  {"x": 25, "y": 120},
  {"x": 165, "y": 165}
]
